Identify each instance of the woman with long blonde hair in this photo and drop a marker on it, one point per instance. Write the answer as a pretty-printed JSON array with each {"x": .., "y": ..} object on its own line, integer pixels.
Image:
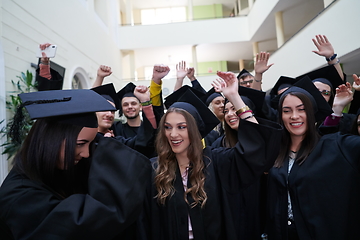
[{"x": 186, "y": 197}]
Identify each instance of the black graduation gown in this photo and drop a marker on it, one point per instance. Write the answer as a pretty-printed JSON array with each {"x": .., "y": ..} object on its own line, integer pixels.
[
  {"x": 213, "y": 136},
  {"x": 227, "y": 171},
  {"x": 126, "y": 131},
  {"x": 143, "y": 141},
  {"x": 54, "y": 83},
  {"x": 324, "y": 190},
  {"x": 123, "y": 129},
  {"x": 343, "y": 127},
  {"x": 269, "y": 112},
  {"x": 248, "y": 206},
  {"x": 116, "y": 189}
]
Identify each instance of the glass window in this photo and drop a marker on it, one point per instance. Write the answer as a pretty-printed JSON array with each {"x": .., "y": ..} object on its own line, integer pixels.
[
  {"x": 76, "y": 83},
  {"x": 163, "y": 15}
]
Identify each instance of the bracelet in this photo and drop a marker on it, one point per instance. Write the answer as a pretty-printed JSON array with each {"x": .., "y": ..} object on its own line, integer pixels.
[
  {"x": 258, "y": 80},
  {"x": 146, "y": 103},
  {"x": 241, "y": 110},
  {"x": 331, "y": 58},
  {"x": 332, "y": 64},
  {"x": 45, "y": 63},
  {"x": 250, "y": 111},
  {"x": 252, "y": 115},
  {"x": 333, "y": 116}
]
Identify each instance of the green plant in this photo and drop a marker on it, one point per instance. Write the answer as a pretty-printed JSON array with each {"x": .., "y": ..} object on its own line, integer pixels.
[{"x": 23, "y": 85}]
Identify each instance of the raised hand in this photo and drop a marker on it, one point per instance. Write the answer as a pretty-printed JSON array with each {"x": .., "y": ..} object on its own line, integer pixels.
[
  {"x": 180, "y": 74},
  {"x": 228, "y": 84},
  {"x": 181, "y": 70},
  {"x": 44, "y": 59},
  {"x": 159, "y": 72},
  {"x": 142, "y": 93},
  {"x": 323, "y": 45},
  {"x": 191, "y": 74},
  {"x": 343, "y": 97},
  {"x": 261, "y": 63},
  {"x": 104, "y": 71},
  {"x": 356, "y": 84}
]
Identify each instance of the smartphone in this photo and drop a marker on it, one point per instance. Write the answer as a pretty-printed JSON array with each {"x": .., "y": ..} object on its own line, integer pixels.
[{"x": 50, "y": 51}]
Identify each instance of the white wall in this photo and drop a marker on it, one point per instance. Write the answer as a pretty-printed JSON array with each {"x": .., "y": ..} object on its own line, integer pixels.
[
  {"x": 84, "y": 40},
  {"x": 295, "y": 57},
  {"x": 185, "y": 33},
  {"x": 3, "y": 160}
]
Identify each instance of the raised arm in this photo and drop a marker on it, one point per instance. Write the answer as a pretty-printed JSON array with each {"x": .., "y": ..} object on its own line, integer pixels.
[
  {"x": 181, "y": 72},
  {"x": 194, "y": 82},
  {"x": 325, "y": 49},
  {"x": 47, "y": 78},
  {"x": 159, "y": 72},
  {"x": 102, "y": 72},
  {"x": 343, "y": 97},
  {"x": 44, "y": 63},
  {"x": 228, "y": 85},
  {"x": 260, "y": 66},
  {"x": 143, "y": 94}
]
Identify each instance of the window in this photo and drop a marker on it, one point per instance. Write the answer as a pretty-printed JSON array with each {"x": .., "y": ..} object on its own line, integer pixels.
[
  {"x": 76, "y": 83},
  {"x": 163, "y": 15}
]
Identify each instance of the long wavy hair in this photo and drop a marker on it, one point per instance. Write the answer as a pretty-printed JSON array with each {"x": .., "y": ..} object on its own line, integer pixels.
[
  {"x": 311, "y": 135},
  {"x": 167, "y": 163},
  {"x": 38, "y": 157}
]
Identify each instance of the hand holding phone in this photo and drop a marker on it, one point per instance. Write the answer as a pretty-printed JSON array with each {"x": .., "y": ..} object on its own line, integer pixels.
[{"x": 48, "y": 49}]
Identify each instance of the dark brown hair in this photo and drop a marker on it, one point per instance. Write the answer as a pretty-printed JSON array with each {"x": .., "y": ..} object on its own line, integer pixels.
[
  {"x": 40, "y": 153},
  {"x": 231, "y": 136},
  {"x": 311, "y": 135}
]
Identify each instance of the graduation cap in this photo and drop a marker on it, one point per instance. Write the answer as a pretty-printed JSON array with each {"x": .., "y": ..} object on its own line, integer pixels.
[
  {"x": 326, "y": 73},
  {"x": 175, "y": 95},
  {"x": 255, "y": 96},
  {"x": 209, "y": 96},
  {"x": 242, "y": 72},
  {"x": 108, "y": 92},
  {"x": 321, "y": 108},
  {"x": 127, "y": 91},
  {"x": 282, "y": 82},
  {"x": 205, "y": 119},
  {"x": 76, "y": 107}
]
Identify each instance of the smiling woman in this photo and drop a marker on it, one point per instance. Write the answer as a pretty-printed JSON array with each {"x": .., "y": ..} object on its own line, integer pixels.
[
  {"x": 187, "y": 197},
  {"x": 315, "y": 181}
]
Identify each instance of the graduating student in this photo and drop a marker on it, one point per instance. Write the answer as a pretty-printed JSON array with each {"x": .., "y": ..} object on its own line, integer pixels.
[
  {"x": 54, "y": 191},
  {"x": 106, "y": 118},
  {"x": 215, "y": 102},
  {"x": 143, "y": 141},
  {"x": 314, "y": 184},
  {"x": 248, "y": 207},
  {"x": 130, "y": 107},
  {"x": 186, "y": 198}
]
